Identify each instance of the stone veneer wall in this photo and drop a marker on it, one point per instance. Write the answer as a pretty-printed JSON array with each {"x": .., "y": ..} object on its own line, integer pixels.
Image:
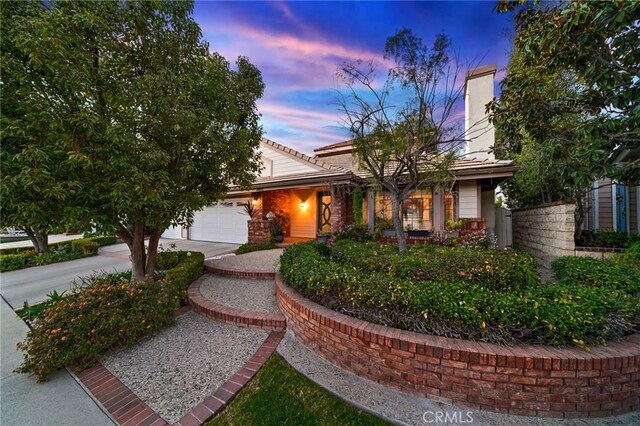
[
  {"x": 545, "y": 231},
  {"x": 258, "y": 231},
  {"x": 524, "y": 380}
]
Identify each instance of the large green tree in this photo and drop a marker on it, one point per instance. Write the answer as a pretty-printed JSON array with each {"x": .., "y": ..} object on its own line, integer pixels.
[
  {"x": 595, "y": 46},
  {"x": 402, "y": 128},
  {"x": 153, "y": 126}
]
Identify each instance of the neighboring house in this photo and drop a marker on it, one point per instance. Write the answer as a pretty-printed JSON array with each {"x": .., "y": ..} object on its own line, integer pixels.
[
  {"x": 315, "y": 192},
  {"x": 614, "y": 207}
]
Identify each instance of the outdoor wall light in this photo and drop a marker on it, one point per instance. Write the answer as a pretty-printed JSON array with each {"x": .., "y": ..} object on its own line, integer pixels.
[
  {"x": 254, "y": 201},
  {"x": 303, "y": 205}
]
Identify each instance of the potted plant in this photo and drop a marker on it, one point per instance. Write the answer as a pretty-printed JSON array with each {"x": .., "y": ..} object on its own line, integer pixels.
[
  {"x": 277, "y": 225},
  {"x": 452, "y": 228},
  {"x": 323, "y": 237}
]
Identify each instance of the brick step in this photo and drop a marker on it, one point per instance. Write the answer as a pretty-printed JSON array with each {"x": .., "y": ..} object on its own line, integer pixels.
[
  {"x": 230, "y": 315},
  {"x": 237, "y": 273}
]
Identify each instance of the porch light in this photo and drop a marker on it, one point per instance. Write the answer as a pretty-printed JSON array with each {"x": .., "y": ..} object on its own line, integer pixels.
[
  {"x": 303, "y": 205},
  {"x": 254, "y": 201}
]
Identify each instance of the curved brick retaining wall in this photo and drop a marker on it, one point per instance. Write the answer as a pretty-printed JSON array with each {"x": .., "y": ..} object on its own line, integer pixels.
[{"x": 524, "y": 380}]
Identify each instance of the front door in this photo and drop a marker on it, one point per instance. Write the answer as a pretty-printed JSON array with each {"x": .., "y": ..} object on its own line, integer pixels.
[
  {"x": 324, "y": 212},
  {"x": 621, "y": 208}
]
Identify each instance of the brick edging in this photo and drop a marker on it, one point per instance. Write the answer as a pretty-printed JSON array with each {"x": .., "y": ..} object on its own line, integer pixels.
[
  {"x": 601, "y": 249},
  {"x": 226, "y": 314},
  {"x": 525, "y": 380},
  {"x": 123, "y": 405},
  {"x": 218, "y": 400},
  {"x": 256, "y": 275}
]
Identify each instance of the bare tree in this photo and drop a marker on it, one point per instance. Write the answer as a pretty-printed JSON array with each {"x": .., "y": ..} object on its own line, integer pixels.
[{"x": 404, "y": 132}]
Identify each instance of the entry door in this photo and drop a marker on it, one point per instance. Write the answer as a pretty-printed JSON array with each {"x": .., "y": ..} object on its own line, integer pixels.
[
  {"x": 621, "y": 208},
  {"x": 324, "y": 211}
]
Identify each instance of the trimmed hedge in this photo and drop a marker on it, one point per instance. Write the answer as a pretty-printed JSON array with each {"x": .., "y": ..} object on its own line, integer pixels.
[
  {"x": 60, "y": 252},
  {"x": 111, "y": 311},
  {"x": 249, "y": 247},
  {"x": 459, "y": 292},
  {"x": 11, "y": 262}
]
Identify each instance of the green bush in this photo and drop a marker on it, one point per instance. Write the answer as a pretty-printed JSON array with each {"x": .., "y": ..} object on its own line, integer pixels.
[
  {"x": 608, "y": 239},
  {"x": 52, "y": 257},
  {"x": 597, "y": 273},
  {"x": 181, "y": 267},
  {"x": 487, "y": 295},
  {"x": 249, "y": 247},
  {"x": 11, "y": 262},
  {"x": 91, "y": 245},
  {"x": 631, "y": 256},
  {"x": 109, "y": 311}
]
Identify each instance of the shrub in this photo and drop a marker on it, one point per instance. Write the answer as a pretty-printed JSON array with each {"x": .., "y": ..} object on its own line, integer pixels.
[
  {"x": 358, "y": 233},
  {"x": 188, "y": 268},
  {"x": 249, "y": 247},
  {"x": 631, "y": 256},
  {"x": 11, "y": 262},
  {"x": 597, "y": 273},
  {"x": 609, "y": 239},
  {"x": 109, "y": 311},
  {"x": 53, "y": 257},
  {"x": 91, "y": 245},
  {"x": 459, "y": 292}
]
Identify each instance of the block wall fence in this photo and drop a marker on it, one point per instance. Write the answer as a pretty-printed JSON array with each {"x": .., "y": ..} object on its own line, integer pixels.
[
  {"x": 545, "y": 231},
  {"x": 524, "y": 380}
]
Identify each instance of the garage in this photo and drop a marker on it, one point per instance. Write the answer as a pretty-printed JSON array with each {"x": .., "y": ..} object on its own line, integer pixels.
[{"x": 224, "y": 222}]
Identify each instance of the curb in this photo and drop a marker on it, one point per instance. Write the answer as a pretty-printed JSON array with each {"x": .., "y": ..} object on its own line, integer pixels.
[{"x": 256, "y": 275}]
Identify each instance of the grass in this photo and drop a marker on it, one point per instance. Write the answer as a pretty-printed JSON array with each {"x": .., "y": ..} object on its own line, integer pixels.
[{"x": 279, "y": 395}]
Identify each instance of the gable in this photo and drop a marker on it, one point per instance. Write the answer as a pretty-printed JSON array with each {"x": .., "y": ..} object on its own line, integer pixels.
[{"x": 279, "y": 163}]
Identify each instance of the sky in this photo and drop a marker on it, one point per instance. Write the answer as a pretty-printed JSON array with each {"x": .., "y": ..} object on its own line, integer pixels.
[{"x": 298, "y": 47}]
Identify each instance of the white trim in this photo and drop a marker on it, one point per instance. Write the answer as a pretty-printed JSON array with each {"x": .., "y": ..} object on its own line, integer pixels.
[{"x": 596, "y": 206}]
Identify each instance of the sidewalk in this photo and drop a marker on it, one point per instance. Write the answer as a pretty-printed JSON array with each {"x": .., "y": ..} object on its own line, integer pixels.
[{"x": 60, "y": 401}]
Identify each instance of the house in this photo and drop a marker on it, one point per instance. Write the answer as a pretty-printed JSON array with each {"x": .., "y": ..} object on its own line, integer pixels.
[
  {"x": 315, "y": 193},
  {"x": 613, "y": 206}
]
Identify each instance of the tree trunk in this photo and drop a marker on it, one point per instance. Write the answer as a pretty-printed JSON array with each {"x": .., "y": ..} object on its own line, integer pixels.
[
  {"x": 40, "y": 240},
  {"x": 138, "y": 254},
  {"x": 152, "y": 251},
  {"x": 43, "y": 241},
  {"x": 397, "y": 221}
]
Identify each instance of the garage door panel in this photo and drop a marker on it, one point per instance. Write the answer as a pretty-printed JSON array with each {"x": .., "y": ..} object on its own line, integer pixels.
[{"x": 221, "y": 222}]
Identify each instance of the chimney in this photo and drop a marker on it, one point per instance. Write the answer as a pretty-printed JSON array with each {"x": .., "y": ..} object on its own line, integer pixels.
[{"x": 478, "y": 92}]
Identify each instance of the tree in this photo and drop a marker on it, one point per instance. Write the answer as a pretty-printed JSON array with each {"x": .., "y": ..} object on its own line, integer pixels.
[
  {"x": 404, "y": 136},
  {"x": 547, "y": 170},
  {"x": 595, "y": 44},
  {"x": 154, "y": 126},
  {"x": 33, "y": 191}
]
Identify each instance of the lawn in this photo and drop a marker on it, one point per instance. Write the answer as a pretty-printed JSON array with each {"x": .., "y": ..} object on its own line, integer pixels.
[{"x": 279, "y": 395}]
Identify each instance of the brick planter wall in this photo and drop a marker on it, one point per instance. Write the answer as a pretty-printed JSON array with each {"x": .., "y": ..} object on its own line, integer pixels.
[
  {"x": 258, "y": 231},
  {"x": 523, "y": 380}
]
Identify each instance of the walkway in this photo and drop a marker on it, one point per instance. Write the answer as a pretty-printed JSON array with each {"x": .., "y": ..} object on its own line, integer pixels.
[{"x": 59, "y": 401}]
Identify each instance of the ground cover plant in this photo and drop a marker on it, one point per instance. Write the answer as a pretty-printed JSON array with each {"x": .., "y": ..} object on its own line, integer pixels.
[
  {"x": 279, "y": 395},
  {"x": 106, "y": 311},
  {"x": 24, "y": 257},
  {"x": 249, "y": 247},
  {"x": 481, "y": 294}
]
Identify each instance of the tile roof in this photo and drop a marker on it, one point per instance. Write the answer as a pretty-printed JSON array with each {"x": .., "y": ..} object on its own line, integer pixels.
[{"x": 305, "y": 158}]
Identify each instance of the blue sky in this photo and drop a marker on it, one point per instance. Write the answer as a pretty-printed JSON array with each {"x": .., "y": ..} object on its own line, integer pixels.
[{"x": 298, "y": 46}]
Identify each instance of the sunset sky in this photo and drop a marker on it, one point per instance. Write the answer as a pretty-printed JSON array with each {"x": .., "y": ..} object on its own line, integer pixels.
[{"x": 299, "y": 45}]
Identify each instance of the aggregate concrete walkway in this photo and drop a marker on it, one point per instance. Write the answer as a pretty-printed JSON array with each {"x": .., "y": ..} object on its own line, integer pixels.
[
  {"x": 61, "y": 401},
  {"x": 247, "y": 294},
  {"x": 259, "y": 261}
]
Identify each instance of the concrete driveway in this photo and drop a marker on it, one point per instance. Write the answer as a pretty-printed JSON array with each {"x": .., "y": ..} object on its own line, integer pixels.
[{"x": 33, "y": 284}]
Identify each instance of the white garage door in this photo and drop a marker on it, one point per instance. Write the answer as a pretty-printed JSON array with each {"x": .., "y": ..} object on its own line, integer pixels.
[
  {"x": 174, "y": 232},
  {"x": 223, "y": 222}
]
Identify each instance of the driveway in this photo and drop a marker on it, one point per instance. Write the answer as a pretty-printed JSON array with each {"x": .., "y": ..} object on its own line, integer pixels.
[{"x": 33, "y": 284}]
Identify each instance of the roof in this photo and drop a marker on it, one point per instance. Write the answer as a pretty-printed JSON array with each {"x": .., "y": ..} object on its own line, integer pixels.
[
  {"x": 316, "y": 163},
  {"x": 333, "y": 146},
  {"x": 481, "y": 71}
]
